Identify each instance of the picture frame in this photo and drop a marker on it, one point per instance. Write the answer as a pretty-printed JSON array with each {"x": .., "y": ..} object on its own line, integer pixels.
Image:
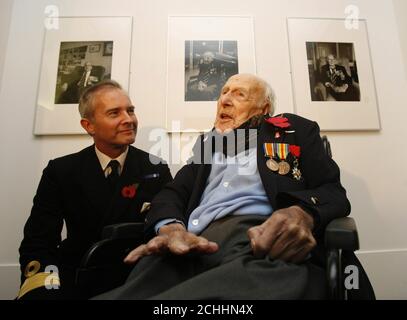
[
  {"x": 332, "y": 74},
  {"x": 67, "y": 52},
  {"x": 228, "y": 42}
]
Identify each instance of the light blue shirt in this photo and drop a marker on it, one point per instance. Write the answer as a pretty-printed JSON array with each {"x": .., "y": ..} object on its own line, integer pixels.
[{"x": 233, "y": 187}]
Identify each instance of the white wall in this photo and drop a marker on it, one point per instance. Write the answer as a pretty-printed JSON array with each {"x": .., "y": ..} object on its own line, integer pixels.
[
  {"x": 6, "y": 7},
  {"x": 372, "y": 163},
  {"x": 400, "y": 9}
]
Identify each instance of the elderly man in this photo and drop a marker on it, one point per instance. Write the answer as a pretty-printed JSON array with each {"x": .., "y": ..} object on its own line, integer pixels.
[
  {"x": 217, "y": 232},
  {"x": 208, "y": 82},
  {"x": 338, "y": 83},
  {"x": 106, "y": 183}
]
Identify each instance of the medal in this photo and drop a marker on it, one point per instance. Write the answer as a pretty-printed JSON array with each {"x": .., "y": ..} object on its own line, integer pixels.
[
  {"x": 272, "y": 165},
  {"x": 277, "y": 151},
  {"x": 282, "y": 152},
  {"x": 296, "y": 172},
  {"x": 283, "y": 168},
  {"x": 269, "y": 152}
]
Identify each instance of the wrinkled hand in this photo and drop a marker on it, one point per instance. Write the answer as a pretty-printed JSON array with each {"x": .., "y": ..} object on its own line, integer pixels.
[
  {"x": 172, "y": 238},
  {"x": 286, "y": 235}
]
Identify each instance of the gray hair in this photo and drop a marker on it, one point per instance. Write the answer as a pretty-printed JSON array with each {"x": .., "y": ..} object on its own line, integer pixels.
[
  {"x": 268, "y": 93},
  {"x": 86, "y": 102},
  {"x": 269, "y": 96}
]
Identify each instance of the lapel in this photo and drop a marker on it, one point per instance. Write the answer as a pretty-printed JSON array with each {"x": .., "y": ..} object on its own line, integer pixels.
[
  {"x": 131, "y": 174},
  {"x": 272, "y": 181},
  {"x": 269, "y": 180}
]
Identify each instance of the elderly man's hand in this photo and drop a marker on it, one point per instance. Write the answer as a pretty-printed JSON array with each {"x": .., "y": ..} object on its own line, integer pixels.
[
  {"x": 286, "y": 235},
  {"x": 341, "y": 89},
  {"x": 175, "y": 239}
]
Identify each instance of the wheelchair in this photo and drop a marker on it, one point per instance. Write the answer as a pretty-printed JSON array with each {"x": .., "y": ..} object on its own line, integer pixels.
[{"x": 102, "y": 267}]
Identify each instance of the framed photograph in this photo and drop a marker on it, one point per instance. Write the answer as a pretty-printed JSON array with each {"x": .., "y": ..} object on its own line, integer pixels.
[
  {"x": 332, "y": 74},
  {"x": 72, "y": 61},
  {"x": 203, "y": 52},
  {"x": 77, "y": 71},
  {"x": 208, "y": 64}
]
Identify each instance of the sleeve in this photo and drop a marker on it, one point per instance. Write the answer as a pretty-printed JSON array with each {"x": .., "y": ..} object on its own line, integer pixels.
[
  {"x": 324, "y": 197},
  {"x": 42, "y": 236},
  {"x": 348, "y": 78},
  {"x": 165, "y": 222},
  {"x": 324, "y": 76},
  {"x": 165, "y": 175},
  {"x": 171, "y": 202}
]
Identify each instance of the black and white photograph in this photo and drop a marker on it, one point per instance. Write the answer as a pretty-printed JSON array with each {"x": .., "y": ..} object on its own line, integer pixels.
[
  {"x": 333, "y": 73},
  {"x": 208, "y": 64},
  {"x": 80, "y": 66},
  {"x": 203, "y": 52},
  {"x": 82, "y": 52}
]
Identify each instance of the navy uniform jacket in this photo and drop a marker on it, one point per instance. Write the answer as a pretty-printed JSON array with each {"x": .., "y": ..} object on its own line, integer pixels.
[
  {"x": 319, "y": 191},
  {"x": 74, "y": 189}
]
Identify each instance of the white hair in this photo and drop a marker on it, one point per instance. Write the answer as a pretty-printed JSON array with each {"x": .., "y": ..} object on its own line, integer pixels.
[{"x": 269, "y": 96}]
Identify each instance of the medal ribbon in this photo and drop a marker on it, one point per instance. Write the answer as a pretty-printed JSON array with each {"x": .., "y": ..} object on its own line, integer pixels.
[
  {"x": 282, "y": 150},
  {"x": 268, "y": 150},
  {"x": 276, "y": 149}
]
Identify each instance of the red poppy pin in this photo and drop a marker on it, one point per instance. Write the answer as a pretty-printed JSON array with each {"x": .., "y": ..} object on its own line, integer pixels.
[
  {"x": 279, "y": 122},
  {"x": 295, "y": 150},
  {"x": 129, "y": 191}
]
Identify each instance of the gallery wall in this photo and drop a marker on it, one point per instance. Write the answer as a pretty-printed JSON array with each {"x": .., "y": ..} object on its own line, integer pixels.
[
  {"x": 400, "y": 9},
  {"x": 372, "y": 162},
  {"x": 5, "y": 12}
]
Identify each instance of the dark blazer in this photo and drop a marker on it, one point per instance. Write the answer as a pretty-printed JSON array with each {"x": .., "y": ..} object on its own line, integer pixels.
[
  {"x": 74, "y": 189},
  {"x": 326, "y": 75},
  {"x": 319, "y": 191}
]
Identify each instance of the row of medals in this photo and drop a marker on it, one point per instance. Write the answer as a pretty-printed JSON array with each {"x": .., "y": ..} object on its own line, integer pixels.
[{"x": 282, "y": 167}]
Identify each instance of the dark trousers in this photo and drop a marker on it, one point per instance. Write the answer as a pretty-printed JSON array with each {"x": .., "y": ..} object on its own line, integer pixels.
[{"x": 230, "y": 273}]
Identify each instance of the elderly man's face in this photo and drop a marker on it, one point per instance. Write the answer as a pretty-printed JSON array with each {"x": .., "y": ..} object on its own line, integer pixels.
[
  {"x": 241, "y": 98},
  {"x": 331, "y": 61},
  {"x": 208, "y": 57}
]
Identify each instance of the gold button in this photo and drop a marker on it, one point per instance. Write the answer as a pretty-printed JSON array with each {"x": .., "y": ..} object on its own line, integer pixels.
[{"x": 32, "y": 268}]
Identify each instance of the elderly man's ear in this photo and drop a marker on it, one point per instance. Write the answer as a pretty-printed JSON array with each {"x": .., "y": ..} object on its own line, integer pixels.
[
  {"x": 88, "y": 126},
  {"x": 266, "y": 108}
]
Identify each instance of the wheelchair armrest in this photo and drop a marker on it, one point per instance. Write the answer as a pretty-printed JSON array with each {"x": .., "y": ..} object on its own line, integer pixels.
[
  {"x": 123, "y": 230},
  {"x": 342, "y": 234},
  {"x": 102, "y": 268}
]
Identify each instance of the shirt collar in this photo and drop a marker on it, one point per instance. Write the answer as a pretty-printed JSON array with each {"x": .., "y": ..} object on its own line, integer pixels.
[{"x": 104, "y": 159}]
